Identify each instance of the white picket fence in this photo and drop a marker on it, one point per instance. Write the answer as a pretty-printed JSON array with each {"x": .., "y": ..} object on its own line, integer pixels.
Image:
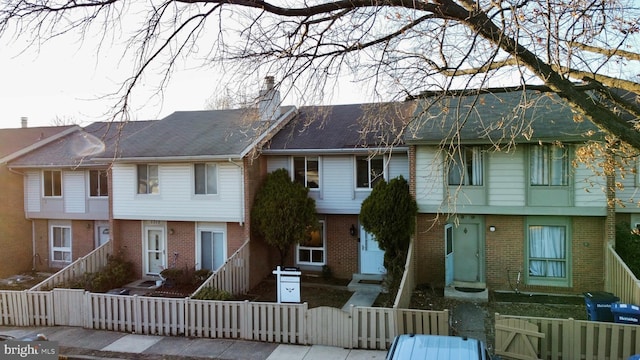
[
  {"x": 233, "y": 275},
  {"x": 90, "y": 263},
  {"x": 360, "y": 327}
]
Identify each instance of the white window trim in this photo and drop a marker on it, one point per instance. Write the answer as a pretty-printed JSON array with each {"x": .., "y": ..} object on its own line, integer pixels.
[
  {"x": 293, "y": 169},
  {"x": 385, "y": 170},
  {"x": 42, "y": 175},
  {"x": 62, "y": 249},
  {"x": 212, "y": 227},
  {"x": 137, "y": 183},
  {"x": 193, "y": 182},
  {"x": 89, "y": 184},
  {"x": 311, "y": 249}
]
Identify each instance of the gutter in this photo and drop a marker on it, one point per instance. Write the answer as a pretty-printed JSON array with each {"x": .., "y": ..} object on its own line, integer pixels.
[{"x": 385, "y": 150}]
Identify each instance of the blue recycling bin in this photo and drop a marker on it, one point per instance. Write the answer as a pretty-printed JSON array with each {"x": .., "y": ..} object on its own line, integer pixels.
[
  {"x": 634, "y": 357},
  {"x": 599, "y": 305},
  {"x": 626, "y": 313}
]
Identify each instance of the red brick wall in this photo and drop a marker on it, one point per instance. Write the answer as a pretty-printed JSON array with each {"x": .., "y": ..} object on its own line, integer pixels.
[
  {"x": 342, "y": 248},
  {"x": 429, "y": 250},
  {"x": 42, "y": 255},
  {"x": 15, "y": 230},
  {"x": 181, "y": 248},
  {"x": 82, "y": 238},
  {"x": 235, "y": 237},
  {"x": 128, "y": 234},
  {"x": 504, "y": 250}
]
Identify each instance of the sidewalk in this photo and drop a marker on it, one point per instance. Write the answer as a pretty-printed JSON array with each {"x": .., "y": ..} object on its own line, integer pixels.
[{"x": 79, "y": 343}]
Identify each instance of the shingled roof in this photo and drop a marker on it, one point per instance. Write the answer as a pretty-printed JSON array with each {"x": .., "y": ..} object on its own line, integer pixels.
[
  {"x": 343, "y": 128},
  {"x": 198, "y": 134},
  {"x": 15, "y": 141},
  {"x": 80, "y": 147},
  {"x": 495, "y": 117}
]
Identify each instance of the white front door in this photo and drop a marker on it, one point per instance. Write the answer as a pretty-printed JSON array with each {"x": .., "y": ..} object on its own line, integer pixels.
[
  {"x": 371, "y": 256},
  {"x": 103, "y": 235},
  {"x": 154, "y": 250}
]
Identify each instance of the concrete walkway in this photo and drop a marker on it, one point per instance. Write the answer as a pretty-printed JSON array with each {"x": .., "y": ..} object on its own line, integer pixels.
[{"x": 116, "y": 343}]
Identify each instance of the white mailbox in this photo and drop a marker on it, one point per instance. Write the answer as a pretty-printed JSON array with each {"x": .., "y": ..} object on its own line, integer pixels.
[{"x": 288, "y": 284}]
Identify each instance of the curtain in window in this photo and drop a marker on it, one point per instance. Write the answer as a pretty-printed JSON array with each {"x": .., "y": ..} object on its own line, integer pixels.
[
  {"x": 558, "y": 166},
  {"x": 539, "y": 165},
  {"x": 466, "y": 169},
  {"x": 476, "y": 166},
  {"x": 547, "y": 251}
]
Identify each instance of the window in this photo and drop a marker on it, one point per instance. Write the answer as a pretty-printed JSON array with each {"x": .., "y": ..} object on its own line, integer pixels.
[
  {"x": 52, "y": 181},
  {"x": 98, "y": 183},
  {"x": 548, "y": 252},
  {"x": 311, "y": 251},
  {"x": 305, "y": 171},
  {"x": 549, "y": 165},
  {"x": 148, "y": 179},
  {"x": 206, "y": 179},
  {"x": 212, "y": 249},
  {"x": 465, "y": 167},
  {"x": 369, "y": 170},
  {"x": 61, "y": 243}
]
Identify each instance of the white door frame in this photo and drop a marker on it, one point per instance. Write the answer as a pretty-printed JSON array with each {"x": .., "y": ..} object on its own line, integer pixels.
[{"x": 161, "y": 253}]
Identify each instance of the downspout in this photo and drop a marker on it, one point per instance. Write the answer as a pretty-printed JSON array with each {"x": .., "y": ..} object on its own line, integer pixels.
[{"x": 241, "y": 189}]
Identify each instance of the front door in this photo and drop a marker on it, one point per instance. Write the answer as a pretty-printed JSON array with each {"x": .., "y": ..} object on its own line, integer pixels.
[
  {"x": 155, "y": 250},
  {"x": 103, "y": 235},
  {"x": 371, "y": 256},
  {"x": 466, "y": 253}
]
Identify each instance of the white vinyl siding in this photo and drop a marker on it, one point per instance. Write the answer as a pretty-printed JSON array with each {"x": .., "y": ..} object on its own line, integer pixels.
[
  {"x": 278, "y": 162},
  {"x": 32, "y": 191},
  {"x": 74, "y": 191},
  {"x": 429, "y": 177},
  {"x": 506, "y": 178},
  {"x": 338, "y": 186},
  {"x": 399, "y": 165},
  {"x": 176, "y": 201}
]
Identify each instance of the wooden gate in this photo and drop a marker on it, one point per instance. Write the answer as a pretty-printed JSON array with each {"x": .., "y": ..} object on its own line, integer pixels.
[
  {"x": 517, "y": 339},
  {"x": 68, "y": 307},
  {"x": 329, "y": 326}
]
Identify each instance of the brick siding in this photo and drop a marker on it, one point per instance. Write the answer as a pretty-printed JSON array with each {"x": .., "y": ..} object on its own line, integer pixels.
[{"x": 15, "y": 230}]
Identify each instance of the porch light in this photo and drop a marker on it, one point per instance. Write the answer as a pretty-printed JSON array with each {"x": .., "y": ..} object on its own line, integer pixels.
[
  {"x": 492, "y": 228},
  {"x": 352, "y": 230}
]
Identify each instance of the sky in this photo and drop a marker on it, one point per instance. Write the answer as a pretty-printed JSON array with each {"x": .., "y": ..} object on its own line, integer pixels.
[{"x": 66, "y": 81}]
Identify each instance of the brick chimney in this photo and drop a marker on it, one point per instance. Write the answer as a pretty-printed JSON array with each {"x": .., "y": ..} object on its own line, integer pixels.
[
  {"x": 269, "y": 101},
  {"x": 23, "y": 121}
]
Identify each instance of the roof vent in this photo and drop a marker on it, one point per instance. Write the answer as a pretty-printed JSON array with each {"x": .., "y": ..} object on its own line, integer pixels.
[{"x": 23, "y": 121}]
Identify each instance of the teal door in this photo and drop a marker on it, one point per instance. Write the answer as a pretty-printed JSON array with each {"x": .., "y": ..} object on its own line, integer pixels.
[{"x": 466, "y": 253}]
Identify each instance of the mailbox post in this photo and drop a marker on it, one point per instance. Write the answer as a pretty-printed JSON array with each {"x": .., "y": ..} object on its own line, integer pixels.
[{"x": 288, "y": 284}]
